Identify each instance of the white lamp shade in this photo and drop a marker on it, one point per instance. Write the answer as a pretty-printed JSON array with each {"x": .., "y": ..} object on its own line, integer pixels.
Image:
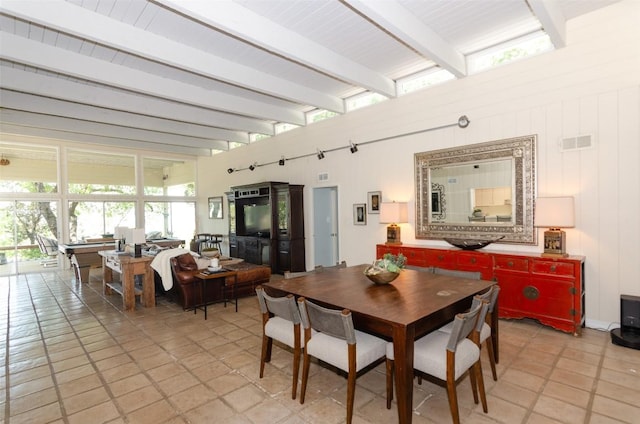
[
  {"x": 120, "y": 232},
  {"x": 138, "y": 236},
  {"x": 554, "y": 212},
  {"x": 393, "y": 212}
]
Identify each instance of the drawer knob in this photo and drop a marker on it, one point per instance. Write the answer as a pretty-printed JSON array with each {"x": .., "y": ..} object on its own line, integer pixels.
[
  {"x": 440, "y": 258},
  {"x": 510, "y": 264},
  {"x": 473, "y": 260},
  {"x": 530, "y": 292},
  {"x": 553, "y": 268}
]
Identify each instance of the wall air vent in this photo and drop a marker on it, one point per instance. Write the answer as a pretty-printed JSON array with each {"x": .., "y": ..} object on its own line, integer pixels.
[
  {"x": 324, "y": 176},
  {"x": 576, "y": 143}
]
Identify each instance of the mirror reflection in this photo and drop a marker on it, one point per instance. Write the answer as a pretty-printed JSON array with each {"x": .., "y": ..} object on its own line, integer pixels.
[
  {"x": 475, "y": 192},
  {"x": 478, "y": 191}
]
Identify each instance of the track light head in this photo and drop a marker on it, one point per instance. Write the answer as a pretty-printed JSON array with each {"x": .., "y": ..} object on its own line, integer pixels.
[
  {"x": 353, "y": 147},
  {"x": 253, "y": 166},
  {"x": 463, "y": 121},
  {"x": 281, "y": 161},
  {"x": 230, "y": 170},
  {"x": 320, "y": 155}
]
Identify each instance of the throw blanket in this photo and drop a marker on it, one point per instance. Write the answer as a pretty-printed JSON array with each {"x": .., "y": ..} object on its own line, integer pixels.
[{"x": 162, "y": 266}]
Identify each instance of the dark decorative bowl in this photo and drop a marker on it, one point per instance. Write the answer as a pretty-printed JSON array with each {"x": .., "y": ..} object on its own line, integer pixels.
[
  {"x": 382, "y": 277},
  {"x": 471, "y": 244}
]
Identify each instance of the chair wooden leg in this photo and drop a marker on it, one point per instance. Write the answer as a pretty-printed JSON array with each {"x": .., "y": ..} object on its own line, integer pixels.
[
  {"x": 451, "y": 387},
  {"x": 305, "y": 375},
  {"x": 296, "y": 367},
  {"x": 351, "y": 382},
  {"x": 474, "y": 386},
  {"x": 389, "y": 363},
  {"x": 492, "y": 358},
  {"x": 265, "y": 356},
  {"x": 351, "y": 391},
  {"x": 453, "y": 400},
  {"x": 477, "y": 368}
]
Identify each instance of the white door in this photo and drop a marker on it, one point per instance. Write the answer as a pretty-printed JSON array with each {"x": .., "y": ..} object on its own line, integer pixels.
[{"x": 325, "y": 226}]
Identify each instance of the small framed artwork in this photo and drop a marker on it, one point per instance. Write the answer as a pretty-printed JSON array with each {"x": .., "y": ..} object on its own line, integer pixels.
[
  {"x": 215, "y": 207},
  {"x": 374, "y": 199},
  {"x": 359, "y": 214}
]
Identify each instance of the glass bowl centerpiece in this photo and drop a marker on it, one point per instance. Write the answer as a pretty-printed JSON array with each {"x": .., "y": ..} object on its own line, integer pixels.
[{"x": 387, "y": 269}]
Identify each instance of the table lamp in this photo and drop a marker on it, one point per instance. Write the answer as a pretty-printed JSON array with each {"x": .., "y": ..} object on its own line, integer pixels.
[
  {"x": 138, "y": 239},
  {"x": 393, "y": 213},
  {"x": 555, "y": 213}
]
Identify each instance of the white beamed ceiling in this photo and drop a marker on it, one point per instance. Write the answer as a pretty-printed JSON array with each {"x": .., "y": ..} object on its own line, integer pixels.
[{"x": 190, "y": 77}]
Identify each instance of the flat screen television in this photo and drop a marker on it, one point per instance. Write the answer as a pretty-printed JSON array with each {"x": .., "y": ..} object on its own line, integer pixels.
[{"x": 257, "y": 220}]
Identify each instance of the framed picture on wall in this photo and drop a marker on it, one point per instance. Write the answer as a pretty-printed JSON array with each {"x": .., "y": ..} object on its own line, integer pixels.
[
  {"x": 215, "y": 207},
  {"x": 360, "y": 214},
  {"x": 374, "y": 200}
]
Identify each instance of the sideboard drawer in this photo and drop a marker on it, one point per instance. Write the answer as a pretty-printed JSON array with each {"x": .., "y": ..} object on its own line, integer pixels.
[
  {"x": 553, "y": 268},
  {"x": 440, "y": 258},
  {"x": 381, "y": 249},
  {"x": 512, "y": 263},
  {"x": 415, "y": 257},
  {"x": 466, "y": 259}
]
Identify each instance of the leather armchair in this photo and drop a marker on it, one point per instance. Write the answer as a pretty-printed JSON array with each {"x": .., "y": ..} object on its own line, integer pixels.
[{"x": 184, "y": 268}]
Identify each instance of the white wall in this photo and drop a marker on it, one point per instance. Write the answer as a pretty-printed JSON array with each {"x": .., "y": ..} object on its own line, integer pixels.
[{"x": 590, "y": 87}]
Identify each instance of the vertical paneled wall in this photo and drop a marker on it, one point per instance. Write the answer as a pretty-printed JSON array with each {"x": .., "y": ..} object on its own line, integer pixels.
[{"x": 590, "y": 87}]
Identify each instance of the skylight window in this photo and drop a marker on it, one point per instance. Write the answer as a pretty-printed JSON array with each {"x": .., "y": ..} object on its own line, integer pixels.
[
  {"x": 257, "y": 137},
  {"x": 318, "y": 115},
  {"x": 517, "y": 49},
  {"x": 284, "y": 127},
  {"x": 363, "y": 100},
  {"x": 423, "y": 79}
]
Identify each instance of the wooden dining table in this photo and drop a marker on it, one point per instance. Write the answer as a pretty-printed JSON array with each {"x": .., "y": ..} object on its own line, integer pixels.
[{"x": 413, "y": 305}]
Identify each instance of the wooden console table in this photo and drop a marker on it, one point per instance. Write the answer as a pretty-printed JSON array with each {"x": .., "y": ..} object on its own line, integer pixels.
[
  {"x": 84, "y": 256},
  {"x": 128, "y": 267},
  {"x": 550, "y": 290}
]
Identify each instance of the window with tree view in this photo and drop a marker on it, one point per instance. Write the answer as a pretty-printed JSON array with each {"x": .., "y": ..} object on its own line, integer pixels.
[
  {"x": 100, "y": 190},
  {"x": 93, "y": 220}
]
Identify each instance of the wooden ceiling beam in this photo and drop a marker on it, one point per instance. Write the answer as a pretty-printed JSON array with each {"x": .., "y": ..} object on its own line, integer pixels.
[
  {"x": 240, "y": 22},
  {"x": 21, "y": 50},
  {"x": 402, "y": 24},
  {"x": 80, "y": 22},
  {"x": 58, "y": 88}
]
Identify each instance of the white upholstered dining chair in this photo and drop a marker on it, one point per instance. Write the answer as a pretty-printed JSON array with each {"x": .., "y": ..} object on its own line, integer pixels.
[
  {"x": 446, "y": 358},
  {"x": 280, "y": 321},
  {"x": 490, "y": 296},
  {"x": 337, "y": 343}
]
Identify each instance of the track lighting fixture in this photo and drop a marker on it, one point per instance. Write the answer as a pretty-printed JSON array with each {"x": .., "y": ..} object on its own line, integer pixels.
[{"x": 463, "y": 122}]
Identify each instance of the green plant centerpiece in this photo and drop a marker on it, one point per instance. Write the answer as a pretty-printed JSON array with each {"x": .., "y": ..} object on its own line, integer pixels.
[{"x": 387, "y": 269}]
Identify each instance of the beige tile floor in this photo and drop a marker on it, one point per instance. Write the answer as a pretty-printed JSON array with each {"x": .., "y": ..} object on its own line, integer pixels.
[{"x": 72, "y": 356}]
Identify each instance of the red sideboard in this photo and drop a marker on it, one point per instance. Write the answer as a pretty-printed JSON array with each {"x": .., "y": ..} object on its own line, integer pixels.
[{"x": 550, "y": 290}]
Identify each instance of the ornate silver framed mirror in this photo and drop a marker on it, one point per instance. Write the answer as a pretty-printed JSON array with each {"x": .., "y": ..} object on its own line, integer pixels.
[{"x": 478, "y": 191}]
